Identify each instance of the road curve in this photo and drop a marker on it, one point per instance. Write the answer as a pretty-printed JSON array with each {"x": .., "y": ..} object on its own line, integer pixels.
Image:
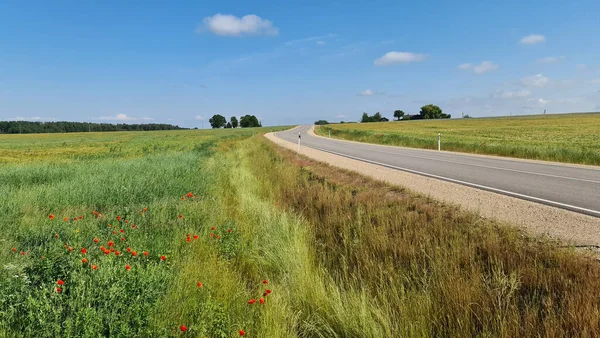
[{"x": 569, "y": 187}]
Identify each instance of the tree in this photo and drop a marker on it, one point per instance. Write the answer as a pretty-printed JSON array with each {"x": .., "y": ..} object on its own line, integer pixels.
[
  {"x": 365, "y": 118},
  {"x": 217, "y": 121},
  {"x": 234, "y": 122},
  {"x": 398, "y": 114},
  {"x": 249, "y": 121},
  {"x": 321, "y": 122},
  {"x": 376, "y": 117},
  {"x": 228, "y": 125},
  {"x": 431, "y": 111}
]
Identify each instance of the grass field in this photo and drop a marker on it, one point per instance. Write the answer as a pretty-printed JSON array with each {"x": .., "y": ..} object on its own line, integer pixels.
[
  {"x": 573, "y": 138},
  {"x": 219, "y": 233}
]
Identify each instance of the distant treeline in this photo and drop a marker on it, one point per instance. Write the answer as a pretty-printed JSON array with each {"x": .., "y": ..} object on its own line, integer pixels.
[{"x": 26, "y": 127}]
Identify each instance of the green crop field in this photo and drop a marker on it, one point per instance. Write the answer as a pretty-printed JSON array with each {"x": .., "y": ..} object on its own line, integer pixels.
[
  {"x": 573, "y": 138},
  {"x": 222, "y": 234}
]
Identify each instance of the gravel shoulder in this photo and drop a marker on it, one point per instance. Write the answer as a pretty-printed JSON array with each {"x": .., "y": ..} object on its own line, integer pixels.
[{"x": 570, "y": 227}]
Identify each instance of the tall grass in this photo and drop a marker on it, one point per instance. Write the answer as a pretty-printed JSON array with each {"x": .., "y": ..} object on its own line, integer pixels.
[{"x": 569, "y": 138}]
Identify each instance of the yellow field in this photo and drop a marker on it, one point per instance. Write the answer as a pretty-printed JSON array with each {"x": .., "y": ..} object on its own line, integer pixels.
[{"x": 571, "y": 138}]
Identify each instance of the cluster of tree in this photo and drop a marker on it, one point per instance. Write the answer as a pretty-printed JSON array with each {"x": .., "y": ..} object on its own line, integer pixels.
[
  {"x": 322, "y": 122},
  {"x": 427, "y": 112},
  {"x": 27, "y": 127},
  {"x": 375, "y": 118},
  {"x": 246, "y": 121}
]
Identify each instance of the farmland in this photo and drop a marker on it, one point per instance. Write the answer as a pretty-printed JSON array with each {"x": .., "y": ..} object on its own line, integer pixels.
[
  {"x": 572, "y": 138},
  {"x": 220, "y": 233}
]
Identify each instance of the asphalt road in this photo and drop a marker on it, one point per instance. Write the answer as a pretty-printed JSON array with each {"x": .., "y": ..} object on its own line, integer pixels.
[{"x": 568, "y": 187}]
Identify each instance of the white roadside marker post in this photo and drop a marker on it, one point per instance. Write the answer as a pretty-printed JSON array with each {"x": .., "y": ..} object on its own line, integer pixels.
[
  {"x": 439, "y": 142},
  {"x": 299, "y": 142}
]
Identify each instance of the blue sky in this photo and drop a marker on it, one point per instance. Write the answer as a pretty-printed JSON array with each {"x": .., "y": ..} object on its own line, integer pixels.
[{"x": 294, "y": 62}]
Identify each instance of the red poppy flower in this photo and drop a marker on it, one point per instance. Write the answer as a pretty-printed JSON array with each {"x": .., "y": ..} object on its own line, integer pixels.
[
  {"x": 95, "y": 212},
  {"x": 59, "y": 290},
  {"x": 213, "y": 228},
  {"x": 145, "y": 209},
  {"x": 60, "y": 282},
  {"x": 265, "y": 281},
  {"x": 66, "y": 219},
  {"x": 261, "y": 300},
  {"x": 146, "y": 253},
  {"x": 121, "y": 231},
  {"x": 211, "y": 234},
  {"x": 14, "y": 249},
  {"x": 111, "y": 243},
  {"x": 70, "y": 248},
  {"x": 188, "y": 239},
  {"x": 112, "y": 250},
  {"x": 228, "y": 230},
  {"x": 51, "y": 216},
  {"x": 96, "y": 240},
  {"x": 195, "y": 236},
  {"x": 83, "y": 251},
  {"x": 102, "y": 247},
  {"x": 268, "y": 292},
  {"x": 117, "y": 253},
  {"x": 133, "y": 226},
  {"x": 80, "y": 217},
  {"x": 163, "y": 258},
  {"x": 114, "y": 232},
  {"x": 252, "y": 301},
  {"x": 94, "y": 267},
  {"x": 190, "y": 194},
  {"x": 128, "y": 249},
  {"x": 218, "y": 236},
  {"x": 199, "y": 284},
  {"x": 56, "y": 235},
  {"x": 183, "y": 328},
  {"x": 127, "y": 267},
  {"x": 242, "y": 332},
  {"x": 84, "y": 260},
  {"x": 126, "y": 221},
  {"x": 123, "y": 238},
  {"x": 22, "y": 253},
  {"x": 118, "y": 218},
  {"x": 134, "y": 254},
  {"x": 180, "y": 216},
  {"x": 75, "y": 218}
]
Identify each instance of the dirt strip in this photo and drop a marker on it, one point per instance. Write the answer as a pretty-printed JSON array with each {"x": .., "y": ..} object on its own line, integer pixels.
[{"x": 538, "y": 219}]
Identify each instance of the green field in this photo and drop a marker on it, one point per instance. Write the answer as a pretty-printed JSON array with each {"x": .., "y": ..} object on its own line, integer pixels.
[
  {"x": 218, "y": 233},
  {"x": 573, "y": 138}
]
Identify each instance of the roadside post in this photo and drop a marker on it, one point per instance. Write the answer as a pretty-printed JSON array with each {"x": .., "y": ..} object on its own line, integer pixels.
[
  {"x": 439, "y": 141},
  {"x": 299, "y": 137}
]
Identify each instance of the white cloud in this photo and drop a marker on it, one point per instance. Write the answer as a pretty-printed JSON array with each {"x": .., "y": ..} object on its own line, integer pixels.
[
  {"x": 483, "y": 67},
  {"x": 311, "y": 38},
  {"x": 538, "y": 80},
  {"x": 506, "y": 94},
  {"x": 539, "y": 102},
  {"x": 366, "y": 92},
  {"x": 35, "y": 118},
  {"x": 551, "y": 59},
  {"x": 123, "y": 117},
  {"x": 533, "y": 39},
  {"x": 230, "y": 25},
  {"x": 392, "y": 58},
  {"x": 199, "y": 118},
  {"x": 321, "y": 43}
]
